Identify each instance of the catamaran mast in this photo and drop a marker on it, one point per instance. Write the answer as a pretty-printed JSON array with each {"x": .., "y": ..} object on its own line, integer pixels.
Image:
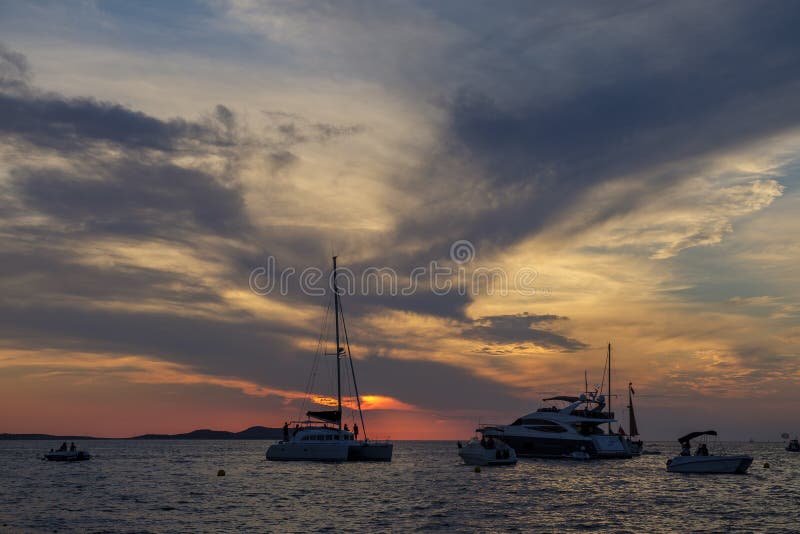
[
  {"x": 609, "y": 387},
  {"x": 338, "y": 347}
]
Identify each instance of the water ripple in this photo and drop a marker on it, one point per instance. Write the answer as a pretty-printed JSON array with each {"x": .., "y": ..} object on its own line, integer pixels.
[{"x": 157, "y": 486}]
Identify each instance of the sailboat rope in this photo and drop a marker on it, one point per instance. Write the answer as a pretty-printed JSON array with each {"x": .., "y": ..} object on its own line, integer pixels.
[
  {"x": 352, "y": 371},
  {"x": 603, "y": 382},
  {"x": 315, "y": 365}
]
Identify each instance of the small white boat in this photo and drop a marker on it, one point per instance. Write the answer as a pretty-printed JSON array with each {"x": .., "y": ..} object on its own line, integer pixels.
[
  {"x": 486, "y": 452},
  {"x": 733, "y": 464},
  {"x": 702, "y": 462}
]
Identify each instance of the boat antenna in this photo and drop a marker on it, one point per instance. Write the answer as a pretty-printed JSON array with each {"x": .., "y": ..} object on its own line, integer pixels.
[
  {"x": 353, "y": 371},
  {"x": 610, "y": 413},
  {"x": 585, "y": 382},
  {"x": 338, "y": 348}
]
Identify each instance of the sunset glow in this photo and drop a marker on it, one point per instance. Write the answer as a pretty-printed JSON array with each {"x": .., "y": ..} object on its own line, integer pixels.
[{"x": 632, "y": 180}]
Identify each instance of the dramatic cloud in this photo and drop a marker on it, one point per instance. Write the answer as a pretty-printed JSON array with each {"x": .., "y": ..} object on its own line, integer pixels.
[
  {"x": 509, "y": 329},
  {"x": 638, "y": 161},
  {"x": 133, "y": 197}
]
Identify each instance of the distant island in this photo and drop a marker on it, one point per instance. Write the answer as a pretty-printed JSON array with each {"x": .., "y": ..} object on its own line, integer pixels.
[{"x": 254, "y": 432}]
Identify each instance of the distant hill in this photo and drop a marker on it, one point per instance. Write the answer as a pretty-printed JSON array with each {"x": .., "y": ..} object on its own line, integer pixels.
[{"x": 254, "y": 432}]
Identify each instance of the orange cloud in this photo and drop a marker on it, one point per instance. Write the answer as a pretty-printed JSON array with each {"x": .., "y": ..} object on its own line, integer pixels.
[{"x": 143, "y": 370}]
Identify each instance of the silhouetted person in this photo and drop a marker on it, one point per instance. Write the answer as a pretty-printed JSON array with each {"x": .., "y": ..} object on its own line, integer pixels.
[
  {"x": 355, "y": 430},
  {"x": 286, "y": 431},
  {"x": 483, "y": 442},
  {"x": 63, "y": 447},
  {"x": 490, "y": 442},
  {"x": 72, "y": 447},
  {"x": 296, "y": 430},
  {"x": 345, "y": 428},
  {"x": 702, "y": 450},
  {"x": 685, "y": 450}
]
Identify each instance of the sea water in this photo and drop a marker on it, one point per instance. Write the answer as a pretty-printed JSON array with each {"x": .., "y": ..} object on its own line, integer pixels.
[{"x": 172, "y": 486}]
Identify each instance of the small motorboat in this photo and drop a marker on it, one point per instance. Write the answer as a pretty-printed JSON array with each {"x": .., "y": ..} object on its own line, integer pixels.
[
  {"x": 67, "y": 456},
  {"x": 703, "y": 462},
  {"x": 793, "y": 446},
  {"x": 485, "y": 451}
]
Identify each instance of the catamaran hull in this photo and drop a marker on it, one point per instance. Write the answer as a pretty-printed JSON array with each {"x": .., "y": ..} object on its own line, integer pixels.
[
  {"x": 311, "y": 452},
  {"x": 710, "y": 464},
  {"x": 370, "y": 452}
]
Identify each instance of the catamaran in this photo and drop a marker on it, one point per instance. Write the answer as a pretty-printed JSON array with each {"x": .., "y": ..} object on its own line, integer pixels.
[{"x": 321, "y": 436}]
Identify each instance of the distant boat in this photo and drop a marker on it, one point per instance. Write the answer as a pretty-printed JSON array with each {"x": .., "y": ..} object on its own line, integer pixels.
[
  {"x": 793, "y": 446},
  {"x": 321, "y": 437},
  {"x": 67, "y": 455},
  {"x": 703, "y": 462}
]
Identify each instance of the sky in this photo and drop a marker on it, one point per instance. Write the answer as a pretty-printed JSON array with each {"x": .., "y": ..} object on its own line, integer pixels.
[{"x": 574, "y": 173}]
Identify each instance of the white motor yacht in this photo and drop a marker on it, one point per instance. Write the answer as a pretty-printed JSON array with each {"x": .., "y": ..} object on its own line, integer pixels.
[
  {"x": 703, "y": 462},
  {"x": 486, "y": 452},
  {"x": 558, "y": 432},
  {"x": 321, "y": 437},
  {"x": 570, "y": 427}
]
